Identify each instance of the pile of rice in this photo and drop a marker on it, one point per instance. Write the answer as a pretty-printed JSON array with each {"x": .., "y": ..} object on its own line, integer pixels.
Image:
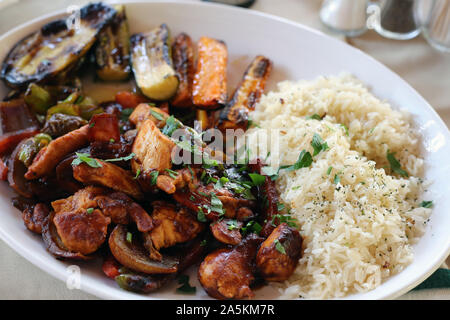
[{"x": 358, "y": 219}]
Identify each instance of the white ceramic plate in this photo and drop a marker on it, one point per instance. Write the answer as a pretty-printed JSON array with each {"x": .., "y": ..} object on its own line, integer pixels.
[{"x": 298, "y": 53}]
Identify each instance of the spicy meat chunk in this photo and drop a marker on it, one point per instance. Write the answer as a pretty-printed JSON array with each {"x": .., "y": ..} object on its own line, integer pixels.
[
  {"x": 278, "y": 255},
  {"x": 228, "y": 273}
]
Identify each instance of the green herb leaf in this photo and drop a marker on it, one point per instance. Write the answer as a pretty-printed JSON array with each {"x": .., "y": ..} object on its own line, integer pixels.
[
  {"x": 257, "y": 179},
  {"x": 127, "y": 158},
  {"x": 154, "y": 177},
  {"x": 157, "y": 115},
  {"x": 89, "y": 210},
  {"x": 345, "y": 129},
  {"x": 304, "y": 161},
  {"x": 279, "y": 247},
  {"x": 138, "y": 172},
  {"x": 395, "y": 165},
  {"x": 426, "y": 204},
  {"x": 232, "y": 224},
  {"x": 329, "y": 170},
  {"x": 129, "y": 237},
  {"x": 172, "y": 124},
  {"x": 216, "y": 204},
  {"x": 201, "y": 215},
  {"x": 185, "y": 286},
  {"x": 203, "y": 243},
  {"x": 252, "y": 226},
  {"x": 337, "y": 179},
  {"x": 318, "y": 144},
  {"x": 125, "y": 114},
  {"x": 85, "y": 158},
  {"x": 315, "y": 116},
  {"x": 172, "y": 174}
]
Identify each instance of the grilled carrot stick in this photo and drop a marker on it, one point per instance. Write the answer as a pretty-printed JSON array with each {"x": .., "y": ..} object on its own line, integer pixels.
[
  {"x": 210, "y": 79},
  {"x": 183, "y": 60},
  {"x": 247, "y": 94}
]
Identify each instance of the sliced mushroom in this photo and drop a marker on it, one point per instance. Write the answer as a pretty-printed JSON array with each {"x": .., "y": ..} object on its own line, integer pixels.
[{"x": 133, "y": 255}]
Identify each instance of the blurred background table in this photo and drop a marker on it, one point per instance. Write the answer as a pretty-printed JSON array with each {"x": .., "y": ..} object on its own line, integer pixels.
[{"x": 425, "y": 69}]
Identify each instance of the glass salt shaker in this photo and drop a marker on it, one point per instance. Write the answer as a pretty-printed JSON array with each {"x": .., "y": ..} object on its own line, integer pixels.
[
  {"x": 347, "y": 17},
  {"x": 394, "y": 19}
]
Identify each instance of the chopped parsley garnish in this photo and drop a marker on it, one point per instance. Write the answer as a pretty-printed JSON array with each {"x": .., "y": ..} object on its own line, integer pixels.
[
  {"x": 257, "y": 179},
  {"x": 221, "y": 183},
  {"x": 395, "y": 165},
  {"x": 284, "y": 218},
  {"x": 89, "y": 210},
  {"x": 125, "y": 114},
  {"x": 251, "y": 123},
  {"x": 304, "y": 161},
  {"x": 129, "y": 237},
  {"x": 203, "y": 243},
  {"x": 185, "y": 286},
  {"x": 138, "y": 172},
  {"x": 252, "y": 226},
  {"x": 157, "y": 115},
  {"x": 232, "y": 224},
  {"x": 201, "y": 215},
  {"x": 271, "y": 172},
  {"x": 426, "y": 204},
  {"x": 279, "y": 247},
  {"x": 172, "y": 174},
  {"x": 345, "y": 129},
  {"x": 280, "y": 206},
  {"x": 216, "y": 204},
  {"x": 112, "y": 140},
  {"x": 329, "y": 170},
  {"x": 318, "y": 144},
  {"x": 154, "y": 177},
  {"x": 86, "y": 158},
  {"x": 315, "y": 116},
  {"x": 127, "y": 158},
  {"x": 172, "y": 124},
  {"x": 337, "y": 178}
]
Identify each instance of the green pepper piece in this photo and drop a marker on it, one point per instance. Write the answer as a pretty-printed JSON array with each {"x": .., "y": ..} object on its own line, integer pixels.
[
  {"x": 27, "y": 152},
  {"x": 42, "y": 140},
  {"x": 69, "y": 109},
  {"x": 38, "y": 98},
  {"x": 72, "y": 98}
]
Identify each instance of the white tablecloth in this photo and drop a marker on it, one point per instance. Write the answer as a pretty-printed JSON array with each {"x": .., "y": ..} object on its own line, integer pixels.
[{"x": 414, "y": 60}]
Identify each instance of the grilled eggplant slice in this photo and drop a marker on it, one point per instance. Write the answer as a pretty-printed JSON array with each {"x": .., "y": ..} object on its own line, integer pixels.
[
  {"x": 55, "y": 48},
  {"x": 183, "y": 59},
  {"x": 235, "y": 114},
  {"x": 210, "y": 79},
  {"x": 152, "y": 63},
  {"x": 113, "y": 51}
]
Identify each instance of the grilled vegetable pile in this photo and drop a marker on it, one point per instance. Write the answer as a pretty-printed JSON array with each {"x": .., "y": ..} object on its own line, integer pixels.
[{"x": 99, "y": 178}]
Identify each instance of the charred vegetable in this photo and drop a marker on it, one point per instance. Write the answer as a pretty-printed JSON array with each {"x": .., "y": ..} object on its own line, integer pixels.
[
  {"x": 152, "y": 63},
  {"x": 183, "y": 59},
  {"x": 59, "y": 124},
  {"x": 129, "y": 252},
  {"x": 37, "y": 98},
  {"x": 31, "y": 147},
  {"x": 113, "y": 51},
  {"x": 235, "y": 114},
  {"x": 210, "y": 79},
  {"x": 55, "y": 49}
]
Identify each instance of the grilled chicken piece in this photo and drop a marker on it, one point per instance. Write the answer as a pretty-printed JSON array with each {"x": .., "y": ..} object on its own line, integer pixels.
[
  {"x": 233, "y": 206},
  {"x": 34, "y": 219},
  {"x": 49, "y": 157},
  {"x": 172, "y": 226},
  {"x": 153, "y": 149},
  {"x": 81, "y": 227},
  {"x": 278, "y": 255},
  {"x": 184, "y": 178},
  {"x": 144, "y": 111},
  {"x": 108, "y": 175},
  {"x": 227, "y": 231},
  {"x": 235, "y": 114},
  {"x": 228, "y": 273}
]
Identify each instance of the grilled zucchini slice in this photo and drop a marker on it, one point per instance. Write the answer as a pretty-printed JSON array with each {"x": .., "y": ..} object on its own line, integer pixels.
[
  {"x": 112, "y": 53},
  {"x": 247, "y": 94},
  {"x": 152, "y": 63},
  {"x": 183, "y": 59},
  {"x": 55, "y": 48}
]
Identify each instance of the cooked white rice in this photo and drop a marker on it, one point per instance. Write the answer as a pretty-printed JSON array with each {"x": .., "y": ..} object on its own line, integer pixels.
[{"x": 358, "y": 220}]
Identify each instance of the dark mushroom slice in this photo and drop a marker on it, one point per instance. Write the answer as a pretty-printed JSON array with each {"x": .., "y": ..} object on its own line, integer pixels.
[
  {"x": 55, "y": 48},
  {"x": 34, "y": 219},
  {"x": 133, "y": 255},
  {"x": 183, "y": 59},
  {"x": 278, "y": 255},
  {"x": 112, "y": 53},
  {"x": 227, "y": 231}
]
